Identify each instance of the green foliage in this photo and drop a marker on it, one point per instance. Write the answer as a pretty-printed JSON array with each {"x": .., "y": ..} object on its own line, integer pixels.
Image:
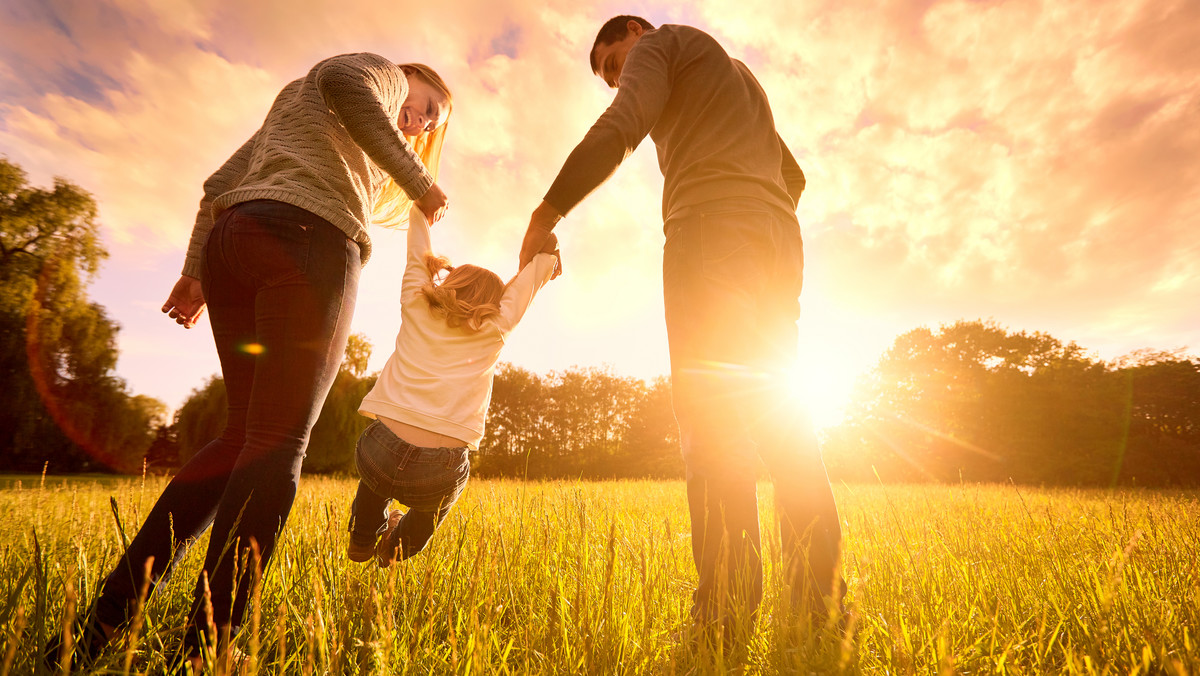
[
  {"x": 580, "y": 422},
  {"x": 201, "y": 418},
  {"x": 63, "y": 405},
  {"x": 331, "y": 446},
  {"x": 358, "y": 353},
  {"x": 331, "y": 443},
  {"x": 574, "y": 577},
  {"x": 974, "y": 402}
]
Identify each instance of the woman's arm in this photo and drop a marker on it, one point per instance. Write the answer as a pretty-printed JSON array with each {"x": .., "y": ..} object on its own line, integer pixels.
[
  {"x": 361, "y": 89},
  {"x": 222, "y": 181}
]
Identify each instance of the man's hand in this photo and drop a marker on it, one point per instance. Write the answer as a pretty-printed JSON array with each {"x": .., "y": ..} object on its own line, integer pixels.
[
  {"x": 186, "y": 302},
  {"x": 541, "y": 225},
  {"x": 433, "y": 204}
]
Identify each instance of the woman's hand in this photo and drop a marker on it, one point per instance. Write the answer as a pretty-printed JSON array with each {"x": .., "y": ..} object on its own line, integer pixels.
[
  {"x": 433, "y": 204},
  {"x": 186, "y": 302}
]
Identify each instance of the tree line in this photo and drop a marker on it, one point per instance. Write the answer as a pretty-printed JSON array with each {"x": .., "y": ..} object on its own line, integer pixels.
[
  {"x": 582, "y": 422},
  {"x": 971, "y": 401}
]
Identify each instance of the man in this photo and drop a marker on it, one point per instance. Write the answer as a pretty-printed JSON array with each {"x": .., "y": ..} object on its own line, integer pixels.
[{"x": 732, "y": 272}]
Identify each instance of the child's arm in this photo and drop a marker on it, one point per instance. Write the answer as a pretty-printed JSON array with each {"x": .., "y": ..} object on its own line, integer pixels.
[
  {"x": 550, "y": 246},
  {"x": 521, "y": 290},
  {"x": 416, "y": 275}
]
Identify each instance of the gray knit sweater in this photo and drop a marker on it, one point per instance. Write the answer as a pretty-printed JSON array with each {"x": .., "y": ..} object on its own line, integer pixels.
[
  {"x": 710, "y": 122},
  {"x": 329, "y": 142}
]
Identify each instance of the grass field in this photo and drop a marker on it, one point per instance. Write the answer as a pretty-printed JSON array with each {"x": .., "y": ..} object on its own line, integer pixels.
[{"x": 595, "y": 578}]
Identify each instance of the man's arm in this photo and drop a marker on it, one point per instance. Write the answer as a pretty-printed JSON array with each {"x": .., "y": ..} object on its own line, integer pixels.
[
  {"x": 541, "y": 223},
  {"x": 644, "y": 88},
  {"x": 793, "y": 176}
]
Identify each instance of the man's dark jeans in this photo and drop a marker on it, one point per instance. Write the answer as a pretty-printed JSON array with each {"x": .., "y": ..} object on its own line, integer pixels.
[
  {"x": 731, "y": 285},
  {"x": 280, "y": 284}
]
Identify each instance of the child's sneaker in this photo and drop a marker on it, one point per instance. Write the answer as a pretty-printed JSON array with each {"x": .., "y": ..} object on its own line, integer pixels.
[
  {"x": 359, "y": 553},
  {"x": 388, "y": 549}
]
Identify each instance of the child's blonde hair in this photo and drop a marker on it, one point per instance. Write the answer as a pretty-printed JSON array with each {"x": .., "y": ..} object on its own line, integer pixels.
[
  {"x": 391, "y": 204},
  {"x": 467, "y": 296}
]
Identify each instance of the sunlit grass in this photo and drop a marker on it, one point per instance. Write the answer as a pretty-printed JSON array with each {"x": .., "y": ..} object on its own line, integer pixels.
[{"x": 595, "y": 577}]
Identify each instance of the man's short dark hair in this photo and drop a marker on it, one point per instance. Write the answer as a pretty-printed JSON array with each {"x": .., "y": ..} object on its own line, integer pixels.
[{"x": 614, "y": 30}]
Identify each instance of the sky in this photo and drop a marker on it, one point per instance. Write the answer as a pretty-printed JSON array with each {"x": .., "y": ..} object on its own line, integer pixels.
[{"x": 1029, "y": 162}]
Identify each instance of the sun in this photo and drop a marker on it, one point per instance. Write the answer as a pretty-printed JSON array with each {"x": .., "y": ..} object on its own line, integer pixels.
[{"x": 821, "y": 385}]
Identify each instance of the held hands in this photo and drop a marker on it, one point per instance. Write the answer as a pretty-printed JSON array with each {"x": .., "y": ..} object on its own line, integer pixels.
[
  {"x": 186, "y": 302},
  {"x": 541, "y": 225},
  {"x": 550, "y": 246},
  {"x": 433, "y": 203}
]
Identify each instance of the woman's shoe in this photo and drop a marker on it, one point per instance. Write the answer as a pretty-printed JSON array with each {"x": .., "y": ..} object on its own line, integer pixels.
[{"x": 88, "y": 639}]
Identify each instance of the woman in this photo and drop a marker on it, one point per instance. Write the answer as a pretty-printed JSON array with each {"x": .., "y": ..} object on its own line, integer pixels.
[{"x": 354, "y": 142}]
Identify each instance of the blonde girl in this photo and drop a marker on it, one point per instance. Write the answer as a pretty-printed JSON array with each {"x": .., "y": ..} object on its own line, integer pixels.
[{"x": 431, "y": 399}]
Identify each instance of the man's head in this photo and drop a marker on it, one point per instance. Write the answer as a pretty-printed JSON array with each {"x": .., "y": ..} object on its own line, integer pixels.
[{"x": 616, "y": 37}]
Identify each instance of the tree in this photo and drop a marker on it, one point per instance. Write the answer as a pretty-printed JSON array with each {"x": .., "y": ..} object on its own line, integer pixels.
[
  {"x": 1162, "y": 391},
  {"x": 582, "y": 422},
  {"x": 201, "y": 418},
  {"x": 163, "y": 454},
  {"x": 63, "y": 404},
  {"x": 515, "y": 430},
  {"x": 358, "y": 353},
  {"x": 336, "y": 432},
  {"x": 651, "y": 446},
  {"x": 976, "y": 402}
]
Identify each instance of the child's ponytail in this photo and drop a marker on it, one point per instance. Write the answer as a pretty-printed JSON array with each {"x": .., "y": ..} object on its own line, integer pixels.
[{"x": 468, "y": 295}]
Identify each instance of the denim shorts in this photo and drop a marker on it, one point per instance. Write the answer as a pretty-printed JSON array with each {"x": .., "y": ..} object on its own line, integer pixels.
[{"x": 426, "y": 479}]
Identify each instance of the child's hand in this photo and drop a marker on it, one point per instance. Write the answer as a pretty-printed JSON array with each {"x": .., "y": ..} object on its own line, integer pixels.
[{"x": 550, "y": 246}]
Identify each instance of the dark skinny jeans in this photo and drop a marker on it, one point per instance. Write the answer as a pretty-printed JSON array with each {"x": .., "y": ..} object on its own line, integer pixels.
[
  {"x": 280, "y": 284},
  {"x": 731, "y": 285}
]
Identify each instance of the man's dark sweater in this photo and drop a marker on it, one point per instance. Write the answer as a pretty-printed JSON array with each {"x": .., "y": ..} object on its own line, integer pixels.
[{"x": 709, "y": 119}]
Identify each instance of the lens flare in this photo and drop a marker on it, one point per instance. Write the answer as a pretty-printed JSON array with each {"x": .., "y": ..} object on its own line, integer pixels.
[{"x": 252, "y": 348}]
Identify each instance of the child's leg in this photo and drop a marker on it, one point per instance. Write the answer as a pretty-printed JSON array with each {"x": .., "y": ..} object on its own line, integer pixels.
[
  {"x": 429, "y": 481},
  {"x": 416, "y": 527},
  {"x": 368, "y": 513}
]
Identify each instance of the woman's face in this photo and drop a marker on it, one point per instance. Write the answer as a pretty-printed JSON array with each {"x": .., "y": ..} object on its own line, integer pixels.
[{"x": 425, "y": 109}]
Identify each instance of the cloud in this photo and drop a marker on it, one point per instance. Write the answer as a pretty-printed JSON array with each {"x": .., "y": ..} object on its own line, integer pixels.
[{"x": 1033, "y": 160}]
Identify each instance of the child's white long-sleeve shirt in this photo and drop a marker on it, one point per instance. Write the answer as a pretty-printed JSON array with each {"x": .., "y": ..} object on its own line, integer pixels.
[{"x": 440, "y": 378}]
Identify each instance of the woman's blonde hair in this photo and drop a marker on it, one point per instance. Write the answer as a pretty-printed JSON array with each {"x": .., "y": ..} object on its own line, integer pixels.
[
  {"x": 468, "y": 295},
  {"x": 392, "y": 203}
]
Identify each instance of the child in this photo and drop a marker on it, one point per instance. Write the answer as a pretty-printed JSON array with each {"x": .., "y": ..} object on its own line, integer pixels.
[{"x": 432, "y": 396}]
